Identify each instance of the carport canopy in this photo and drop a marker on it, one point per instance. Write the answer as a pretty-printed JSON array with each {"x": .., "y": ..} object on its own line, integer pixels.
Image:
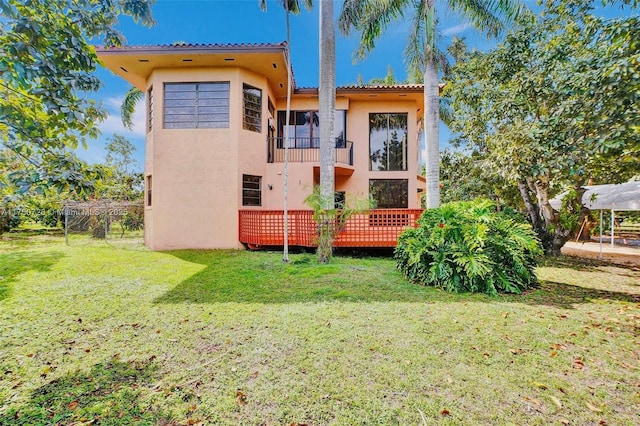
[{"x": 614, "y": 197}]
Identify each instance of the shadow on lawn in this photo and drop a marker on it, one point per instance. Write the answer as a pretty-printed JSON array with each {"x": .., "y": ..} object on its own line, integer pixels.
[
  {"x": 13, "y": 264},
  {"x": 240, "y": 277},
  {"x": 565, "y": 296},
  {"x": 109, "y": 393},
  {"x": 585, "y": 264}
]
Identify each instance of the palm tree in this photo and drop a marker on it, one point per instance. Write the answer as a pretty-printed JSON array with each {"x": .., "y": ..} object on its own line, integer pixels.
[
  {"x": 290, "y": 6},
  {"x": 371, "y": 18},
  {"x": 327, "y": 100}
]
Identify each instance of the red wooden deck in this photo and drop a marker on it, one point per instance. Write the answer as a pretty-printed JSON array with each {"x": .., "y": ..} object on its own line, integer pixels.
[{"x": 375, "y": 228}]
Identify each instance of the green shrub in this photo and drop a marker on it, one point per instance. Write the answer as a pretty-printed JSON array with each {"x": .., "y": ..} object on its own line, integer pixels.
[{"x": 470, "y": 247}]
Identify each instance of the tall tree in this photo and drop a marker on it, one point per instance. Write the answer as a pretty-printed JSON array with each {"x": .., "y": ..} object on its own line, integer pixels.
[
  {"x": 327, "y": 99},
  {"x": 47, "y": 68},
  {"x": 121, "y": 181},
  {"x": 554, "y": 105},
  {"x": 371, "y": 18},
  {"x": 290, "y": 6}
]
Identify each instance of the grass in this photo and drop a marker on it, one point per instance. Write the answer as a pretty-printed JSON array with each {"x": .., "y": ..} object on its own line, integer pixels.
[{"x": 104, "y": 335}]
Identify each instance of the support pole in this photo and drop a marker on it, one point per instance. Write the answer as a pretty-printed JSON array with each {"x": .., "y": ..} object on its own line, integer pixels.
[
  {"x": 613, "y": 218},
  {"x": 601, "y": 218}
]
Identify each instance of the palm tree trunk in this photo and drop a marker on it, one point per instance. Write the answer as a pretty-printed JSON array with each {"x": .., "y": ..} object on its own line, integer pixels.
[
  {"x": 431, "y": 113},
  {"x": 327, "y": 95},
  {"x": 285, "y": 251}
]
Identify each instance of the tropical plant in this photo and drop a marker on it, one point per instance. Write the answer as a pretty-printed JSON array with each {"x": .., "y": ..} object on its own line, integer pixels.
[
  {"x": 128, "y": 106},
  {"x": 371, "y": 18},
  {"x": 331, "y": 220},
  {"x": 470, "y": 247},
  {"x": 327, "y": 101},
  {"x": 290, "y": 6}
]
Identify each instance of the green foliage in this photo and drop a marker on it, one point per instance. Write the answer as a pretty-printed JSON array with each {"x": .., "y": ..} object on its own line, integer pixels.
[
  {"x": 47, "y": 65},
  {"x": 119, "y": 181},
  {"x": 555, "y": 104},
  {"x": 9, "y": 219},
  {"x": 331, "y": 221},
  {"x": 463, "y": 177},
  {"x": 469, "y": 247}
]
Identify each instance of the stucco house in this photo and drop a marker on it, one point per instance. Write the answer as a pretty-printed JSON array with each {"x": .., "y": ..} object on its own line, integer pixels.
[{"x": 215, "y": 149}]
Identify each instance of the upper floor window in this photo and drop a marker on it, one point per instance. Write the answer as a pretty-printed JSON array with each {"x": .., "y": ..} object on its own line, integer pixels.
[
  {"x": 150, "y": 109},
  {"x": 388, "y": 141},
  {"x": 304, "y": 129},
  {"x": 252, "y": 108},
  {"x": 196, "y": 105}
]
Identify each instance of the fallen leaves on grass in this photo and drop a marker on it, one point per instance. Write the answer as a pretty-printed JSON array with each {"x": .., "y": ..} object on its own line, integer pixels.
[
  {"x": 241, "y": 398},
  {"x": 556, "y": 401},
  {"x": 594, "y": 408}
]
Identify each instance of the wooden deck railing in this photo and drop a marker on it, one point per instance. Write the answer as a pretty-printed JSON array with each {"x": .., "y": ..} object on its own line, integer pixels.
[{"x": 375, "y": 228}]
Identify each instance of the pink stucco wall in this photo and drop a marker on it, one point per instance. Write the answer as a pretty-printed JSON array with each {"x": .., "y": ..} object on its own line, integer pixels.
[{"x": 197, "y": 173}]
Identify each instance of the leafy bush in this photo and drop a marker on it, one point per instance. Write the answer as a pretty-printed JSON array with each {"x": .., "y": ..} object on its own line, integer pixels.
[
  {"x": 470, "y": 247},
  {"x": 9, "y": 220}
]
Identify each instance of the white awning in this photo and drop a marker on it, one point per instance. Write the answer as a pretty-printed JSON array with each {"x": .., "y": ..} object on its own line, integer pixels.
[{"x": 622, "y": 196}]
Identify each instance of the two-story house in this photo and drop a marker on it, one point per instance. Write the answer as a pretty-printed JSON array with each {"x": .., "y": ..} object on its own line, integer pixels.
[{"x": 215, "y": 148}]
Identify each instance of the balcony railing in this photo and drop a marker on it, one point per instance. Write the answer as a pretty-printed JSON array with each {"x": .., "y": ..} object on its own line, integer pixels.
[
  {"x": 307, "y": 150},
  {"x": 374, "y": 228}
]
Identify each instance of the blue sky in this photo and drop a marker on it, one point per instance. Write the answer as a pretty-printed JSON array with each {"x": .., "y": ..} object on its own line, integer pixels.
[{"x": 242, "y": 21}]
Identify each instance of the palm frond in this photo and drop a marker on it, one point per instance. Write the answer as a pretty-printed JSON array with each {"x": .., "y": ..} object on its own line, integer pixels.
[
  {"x": 415, "y": 50},
  {"x": 128, "y": 107},
  {"x": 490, "y": 16},
  {"x": 369, "y": 18},
  {"x": 292, "y": 6}
]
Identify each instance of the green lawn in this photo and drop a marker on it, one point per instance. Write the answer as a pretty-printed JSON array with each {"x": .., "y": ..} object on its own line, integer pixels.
[{"x": 92, "y": 334}]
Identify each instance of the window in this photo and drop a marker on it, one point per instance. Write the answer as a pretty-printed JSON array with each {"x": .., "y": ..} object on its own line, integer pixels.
[
  {"x": 149, "y": 189},
  {"x": 150, "y": 109},
  {"x": 340, "y": 199},
  {"x": 271, "y": 108},
  {"x": 304, "y": 129},
  {"x": 251, "y": 190},
  {"x": 196, "y": 105},
  {"x": 252, "y": 108},
  {"x": 389, "y": 193},
  {"x": 388, "y": 141}
]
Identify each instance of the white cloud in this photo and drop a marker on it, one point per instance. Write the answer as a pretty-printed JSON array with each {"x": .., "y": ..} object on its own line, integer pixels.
[{"x": 456, "y": 29}]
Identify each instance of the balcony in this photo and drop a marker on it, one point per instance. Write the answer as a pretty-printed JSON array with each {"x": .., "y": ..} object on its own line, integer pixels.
[
  {"x": 374, "y": 228},
  {"x": 307, "y": 150}
]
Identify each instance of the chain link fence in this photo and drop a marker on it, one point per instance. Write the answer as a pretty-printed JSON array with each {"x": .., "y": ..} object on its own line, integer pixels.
[{"x": 117, "y": 223}]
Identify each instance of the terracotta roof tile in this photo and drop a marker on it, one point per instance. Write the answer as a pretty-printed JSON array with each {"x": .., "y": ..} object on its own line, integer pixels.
[{"x": 196, "y": 46}]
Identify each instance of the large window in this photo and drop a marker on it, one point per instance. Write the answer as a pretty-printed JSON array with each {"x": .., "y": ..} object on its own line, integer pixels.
[
  {"x": 304, "y": 128},
  {"x": 389, "y": 193},
  {"x": 252, "y": 108},
  {"x": 196, "y": 105},
  {"x": 251, "y": 190},
  {"x": 150, "y": 109},
  {"x": 388, "y": 141}
]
